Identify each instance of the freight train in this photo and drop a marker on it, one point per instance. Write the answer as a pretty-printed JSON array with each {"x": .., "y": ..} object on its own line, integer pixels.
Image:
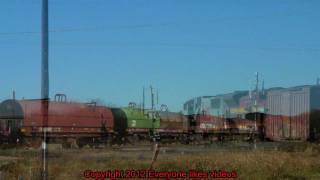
[
  {"x": 92, "y": 124},
  {"x": 280, "y": 114}
]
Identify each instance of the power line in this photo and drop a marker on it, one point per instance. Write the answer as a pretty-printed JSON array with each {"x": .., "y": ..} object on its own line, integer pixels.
[
  {"x": 315, "y": 49},
  {"x": 137, "y": 26},
  {"x": 88, "y": 29}
]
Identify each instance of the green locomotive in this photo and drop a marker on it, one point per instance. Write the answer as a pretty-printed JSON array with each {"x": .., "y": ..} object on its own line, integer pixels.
[{"x": 132, "y": 121}]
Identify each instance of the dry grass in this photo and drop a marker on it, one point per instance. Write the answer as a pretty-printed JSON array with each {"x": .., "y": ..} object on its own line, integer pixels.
[{"x": 70, "y": 164}]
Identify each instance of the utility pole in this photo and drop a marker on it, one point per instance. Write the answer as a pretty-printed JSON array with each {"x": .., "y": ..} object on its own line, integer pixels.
[
  {"x": 157, "y": 97},
  {"x": 155, "y": 146},
  {"x": 152, "y": 98},
  {"x": 262, "y": 88},
  {"x": 143, "y": 100},
  {"x": 256, "y": 99},
  {"x": 152, "y": 111},
  {"x": 257, "y": 82},
  {"x": 14, "y": 95},
  {"x": 45, "y": 84}
]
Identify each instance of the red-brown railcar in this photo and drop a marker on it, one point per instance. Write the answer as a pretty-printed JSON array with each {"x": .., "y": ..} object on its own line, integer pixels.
[
  {"x": 171, "y": 122},
  {"x": 209, "y": 124},
  {"x": 67, "y": 119}
]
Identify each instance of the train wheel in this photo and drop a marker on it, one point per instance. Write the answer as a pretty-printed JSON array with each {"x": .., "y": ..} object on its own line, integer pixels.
[
  {"x": 221, "y": 137},
  {"x": 81, "y": 142},
  {"x": 184, "y": 139},
  {"x": 118, "y": 140},
  {"x": 36, "y": 143}
]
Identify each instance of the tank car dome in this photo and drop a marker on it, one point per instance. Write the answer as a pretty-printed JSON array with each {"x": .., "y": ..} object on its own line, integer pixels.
[{"x": 11, "y": 109}]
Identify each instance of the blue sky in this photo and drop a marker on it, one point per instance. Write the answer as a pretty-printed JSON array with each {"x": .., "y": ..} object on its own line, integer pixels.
[{"x": 110, "y": 49}]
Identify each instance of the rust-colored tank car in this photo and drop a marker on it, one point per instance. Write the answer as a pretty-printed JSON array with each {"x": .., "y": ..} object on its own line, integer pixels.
[
  {"x": 64, "y": 118},
  {"x": 293, "y": 113},
  {"x": 171, "y": 122}
]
